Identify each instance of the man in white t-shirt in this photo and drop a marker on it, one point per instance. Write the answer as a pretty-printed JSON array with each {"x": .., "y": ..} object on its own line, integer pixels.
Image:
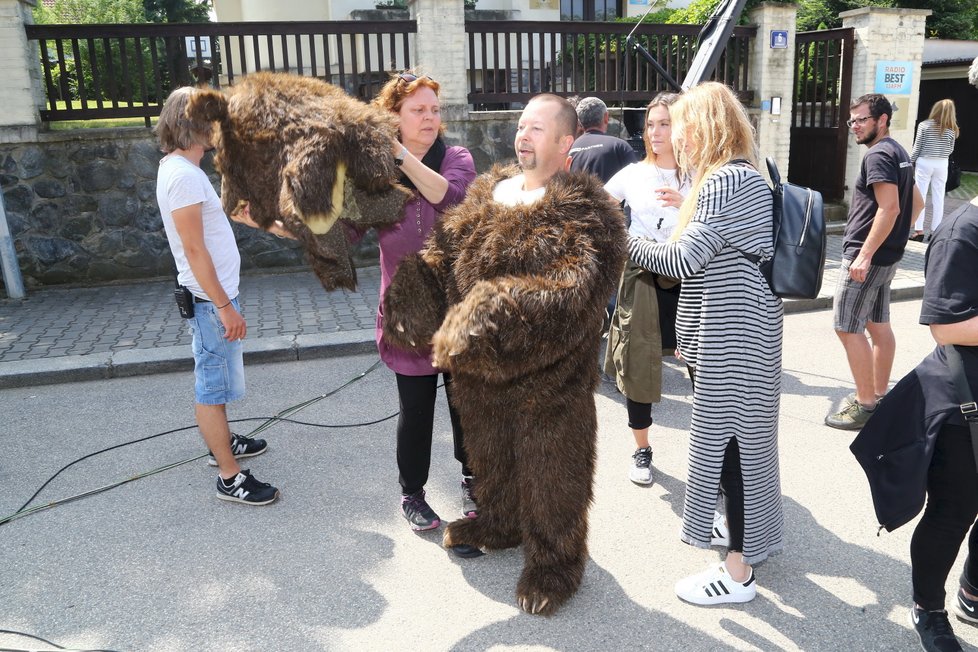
[
  {"x": 544, "y": 136},
  {"x": 208, "y": 265}
]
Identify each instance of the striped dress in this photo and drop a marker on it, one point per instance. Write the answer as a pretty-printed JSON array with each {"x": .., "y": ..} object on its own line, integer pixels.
[
  {"x": 729, "y": 328},
  {"x": 932, "y": 141}
]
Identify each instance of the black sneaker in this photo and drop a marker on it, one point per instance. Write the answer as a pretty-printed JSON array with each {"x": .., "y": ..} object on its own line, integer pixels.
[
  {"x": 469, "y": 507},
  {"x": 242, "y": 446},
  {"x": 934, "y": 630},
  {"x": 418, "y": 513},
  {"x": 965, "y": 609},
  {"x": 246, "y": 489}
]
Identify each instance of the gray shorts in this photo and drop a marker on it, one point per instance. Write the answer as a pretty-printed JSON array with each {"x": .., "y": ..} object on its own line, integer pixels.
[{"x": 856, "y": 303}]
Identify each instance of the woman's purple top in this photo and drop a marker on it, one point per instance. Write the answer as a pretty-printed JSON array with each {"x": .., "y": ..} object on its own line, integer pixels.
[{"x": 407, "y": 237}]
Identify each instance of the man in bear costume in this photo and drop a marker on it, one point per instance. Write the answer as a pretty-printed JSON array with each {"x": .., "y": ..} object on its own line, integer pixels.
[
  {"x": 286, "y": 147},
  {"x": 510, "y": 293}
]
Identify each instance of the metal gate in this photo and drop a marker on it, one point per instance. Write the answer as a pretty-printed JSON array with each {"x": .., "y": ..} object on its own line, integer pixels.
[{"x": 823, "y": 83}]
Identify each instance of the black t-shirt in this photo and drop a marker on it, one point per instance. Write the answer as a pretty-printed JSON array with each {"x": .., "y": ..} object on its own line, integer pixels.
[
  {"x": 886, "y": 161},
  {"x": 951, "y": 285},
  {"x": 600, "y": 154}
]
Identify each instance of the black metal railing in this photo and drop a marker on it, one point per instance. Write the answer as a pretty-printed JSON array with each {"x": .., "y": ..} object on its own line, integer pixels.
[
  {"x": 113, "y": 71},
  {"x": 508, "y": 61}
]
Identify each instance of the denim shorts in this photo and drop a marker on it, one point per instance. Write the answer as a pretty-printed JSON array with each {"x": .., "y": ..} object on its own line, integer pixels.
[{"x": 218, "y": 364}]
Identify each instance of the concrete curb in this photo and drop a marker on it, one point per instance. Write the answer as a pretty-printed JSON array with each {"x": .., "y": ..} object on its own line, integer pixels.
[{"x": 139, "y": 362}]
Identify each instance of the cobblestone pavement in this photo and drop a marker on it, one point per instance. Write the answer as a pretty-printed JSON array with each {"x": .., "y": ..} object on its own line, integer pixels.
[{"x": 81, "y": 321}]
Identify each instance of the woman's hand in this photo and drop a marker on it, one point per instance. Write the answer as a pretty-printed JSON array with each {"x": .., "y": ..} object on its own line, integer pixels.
[
  {"x": 668, "y": 197},
  {"x": 243, "y": 216},
  {"x": 398, "y": 147}
]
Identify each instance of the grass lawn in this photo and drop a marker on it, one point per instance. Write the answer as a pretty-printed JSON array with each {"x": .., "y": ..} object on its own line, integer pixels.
[{"x": 968, "y": 188}]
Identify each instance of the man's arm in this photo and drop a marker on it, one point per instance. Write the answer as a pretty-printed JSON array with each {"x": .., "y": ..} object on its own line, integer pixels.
[
  {"x": 190, "y": 227},
  {"x": 888, "y": 201},
  {"x": 918, "y": 202},
  {"x": 964, "y": 333}
]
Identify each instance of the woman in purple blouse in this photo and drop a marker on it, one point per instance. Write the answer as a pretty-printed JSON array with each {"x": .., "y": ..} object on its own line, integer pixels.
[{"x": 439, "y": 176}]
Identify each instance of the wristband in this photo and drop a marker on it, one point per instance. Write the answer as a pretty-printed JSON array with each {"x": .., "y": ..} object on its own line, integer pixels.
[
  {"x": 399, "y": 159},
  {"x": 224, "y": 306}
]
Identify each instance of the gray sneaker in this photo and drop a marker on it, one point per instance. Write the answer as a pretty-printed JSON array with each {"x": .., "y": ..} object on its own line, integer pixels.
[
  {"x": 418, "y": 513},
  {"x": 851, "y": 398},
  {"x": 852, "y": 417},
  {"x": 469, "y": 507},
  {"x": 641, "y": 469}
]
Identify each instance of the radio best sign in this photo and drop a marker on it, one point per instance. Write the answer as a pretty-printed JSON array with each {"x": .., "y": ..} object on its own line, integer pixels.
[{"x": 894, "y": 77}]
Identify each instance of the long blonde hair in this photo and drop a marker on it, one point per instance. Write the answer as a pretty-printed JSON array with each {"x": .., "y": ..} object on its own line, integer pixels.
[
  {"x": 944, "y": 115},
  {"x": 710, "y": 128}
]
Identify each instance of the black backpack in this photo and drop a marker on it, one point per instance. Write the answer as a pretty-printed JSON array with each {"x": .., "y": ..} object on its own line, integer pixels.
[{"x": 795, "y": 269}]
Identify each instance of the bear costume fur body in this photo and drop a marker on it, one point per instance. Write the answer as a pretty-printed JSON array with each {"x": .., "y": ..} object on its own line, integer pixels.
[
  {"x": 512, "y": 300},
  {"x": 302, "y": 151}
]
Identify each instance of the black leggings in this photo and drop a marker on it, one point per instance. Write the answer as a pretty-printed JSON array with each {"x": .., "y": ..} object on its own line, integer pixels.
[
  {"x": 952, "y": 504},
  {"x": 731, "y": 487},
  {"x": 416, "y": 395},
  {"x": 639, "y": 414},
  {"x": 732, "y": 490}
]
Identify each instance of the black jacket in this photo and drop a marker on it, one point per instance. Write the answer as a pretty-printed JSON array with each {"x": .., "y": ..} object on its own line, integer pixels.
[{"x": 896, "y": 445}]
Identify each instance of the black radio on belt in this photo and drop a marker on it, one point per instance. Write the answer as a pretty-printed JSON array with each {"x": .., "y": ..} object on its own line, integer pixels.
[{"x": 185, "y": 301}]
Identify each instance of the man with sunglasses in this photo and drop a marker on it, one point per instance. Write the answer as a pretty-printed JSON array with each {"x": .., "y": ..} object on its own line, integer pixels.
[{"x": 884, "y": 201}]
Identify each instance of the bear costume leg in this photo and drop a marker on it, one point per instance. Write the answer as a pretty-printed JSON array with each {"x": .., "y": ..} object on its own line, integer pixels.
[
  {"x": 555, "y": 466},
  {"x": 533, "y": 455},
  {"x": 491, "y": 458}
]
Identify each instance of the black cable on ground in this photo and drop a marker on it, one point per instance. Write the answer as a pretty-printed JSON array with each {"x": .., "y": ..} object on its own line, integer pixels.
[
  {"x": 268, "y": 422},
  {"x": 55, "y": 647}
]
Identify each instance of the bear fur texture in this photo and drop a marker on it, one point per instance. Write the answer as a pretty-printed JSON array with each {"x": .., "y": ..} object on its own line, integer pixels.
[
  {"x": 302, "y": 151},
  {"x": 512, "y": 300}
]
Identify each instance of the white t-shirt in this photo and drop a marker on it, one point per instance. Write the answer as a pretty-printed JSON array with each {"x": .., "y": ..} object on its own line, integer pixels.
[
  {"x": 510, "y": 192},
  {"x": 180, "y": 183},
  {"x": 635, "y": 184}
]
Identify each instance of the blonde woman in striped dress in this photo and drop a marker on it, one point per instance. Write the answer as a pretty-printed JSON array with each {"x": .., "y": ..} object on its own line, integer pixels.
[
  {"x": 729, "y": 332},
  {"x": 932, "y": 148}
]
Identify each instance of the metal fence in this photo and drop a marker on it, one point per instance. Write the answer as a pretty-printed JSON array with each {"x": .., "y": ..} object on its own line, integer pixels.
[
  {"x": 113, "y": 71},
  {"x": 510, "y": 60},
  {"x": 116, "y": 71}
]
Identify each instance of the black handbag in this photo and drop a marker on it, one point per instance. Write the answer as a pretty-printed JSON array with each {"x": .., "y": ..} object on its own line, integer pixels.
[{"x": 953, "y": 175}]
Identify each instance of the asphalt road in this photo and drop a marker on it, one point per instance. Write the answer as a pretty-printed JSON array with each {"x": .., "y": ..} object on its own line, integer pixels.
[{"x": 160, "y": 564}]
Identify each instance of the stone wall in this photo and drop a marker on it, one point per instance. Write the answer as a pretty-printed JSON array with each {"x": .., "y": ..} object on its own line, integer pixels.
[{"x": 81, "y": 205}]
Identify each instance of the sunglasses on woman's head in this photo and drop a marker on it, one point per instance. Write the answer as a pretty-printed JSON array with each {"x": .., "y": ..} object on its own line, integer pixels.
[{"x": 409, "y": 77}]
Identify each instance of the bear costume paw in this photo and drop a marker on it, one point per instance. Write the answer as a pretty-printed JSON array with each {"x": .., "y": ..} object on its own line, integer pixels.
[
  {"x": 542, "y": 590},
  {"x": 478, "y": 533}
]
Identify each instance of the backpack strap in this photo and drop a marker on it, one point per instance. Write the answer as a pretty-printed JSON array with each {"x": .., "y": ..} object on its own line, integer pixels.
[
  {"x": 742, "y": 162},
  {"x": 969, "y": 409}
]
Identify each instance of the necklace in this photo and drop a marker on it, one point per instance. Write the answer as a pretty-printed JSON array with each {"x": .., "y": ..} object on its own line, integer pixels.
[{"x": 663, "y": 181}]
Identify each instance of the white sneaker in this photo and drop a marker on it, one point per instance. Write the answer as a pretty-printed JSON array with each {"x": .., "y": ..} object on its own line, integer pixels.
[
  {"x": 720, "y": 535},
  {"x": 716, "y": 587},
  {"x": 641, "y": 469}
]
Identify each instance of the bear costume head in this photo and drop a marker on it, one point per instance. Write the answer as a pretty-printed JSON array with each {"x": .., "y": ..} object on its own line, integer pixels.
[{"x": 302, "y": 151}]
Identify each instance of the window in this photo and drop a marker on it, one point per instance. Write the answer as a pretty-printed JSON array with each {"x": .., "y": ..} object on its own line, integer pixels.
[{"x": 601, "y": 10}]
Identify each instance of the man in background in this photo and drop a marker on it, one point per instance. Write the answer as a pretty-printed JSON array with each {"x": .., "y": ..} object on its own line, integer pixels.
[{"x": 595, "y": 151}]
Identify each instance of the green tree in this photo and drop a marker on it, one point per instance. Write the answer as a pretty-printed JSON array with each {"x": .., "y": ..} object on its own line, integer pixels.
[
  {"x": 951, "y": 19},
  {"x": 177, "y": 11},
  {"x": 66, "y": 12}
]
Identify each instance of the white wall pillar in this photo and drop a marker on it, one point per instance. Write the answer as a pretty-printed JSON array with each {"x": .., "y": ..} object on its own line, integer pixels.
[
  {"x": 439, "y": 51},
  {"x": 772, "y": 77},
  {"x": 20, "y": 74},
  {"x": 884, "y": 35}
]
